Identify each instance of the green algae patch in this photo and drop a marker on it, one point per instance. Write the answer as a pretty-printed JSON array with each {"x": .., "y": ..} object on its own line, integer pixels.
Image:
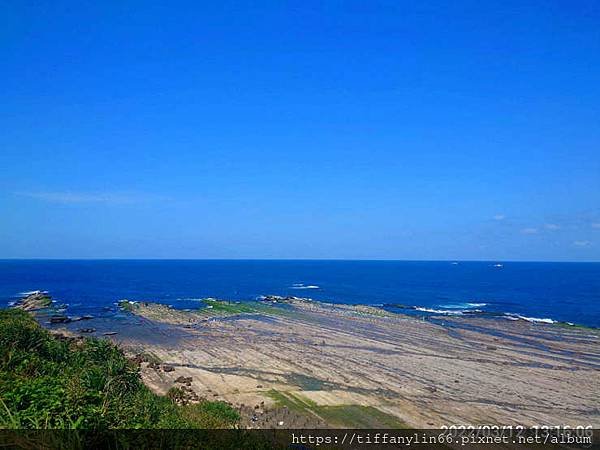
[{"x": 342, "y": 416}]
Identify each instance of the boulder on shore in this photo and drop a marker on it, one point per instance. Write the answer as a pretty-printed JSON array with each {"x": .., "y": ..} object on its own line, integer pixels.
[{"x": 87, "y": 330}]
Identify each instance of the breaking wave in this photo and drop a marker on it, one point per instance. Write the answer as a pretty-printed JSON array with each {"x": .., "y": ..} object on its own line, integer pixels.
[
  {"x": 32, "y": 292},
  {"x": 512, "y": 316},
  {"x": 440, "y": 311},
  {"x": 303, "y": 286},
  {"x": 463, "y": 305}
]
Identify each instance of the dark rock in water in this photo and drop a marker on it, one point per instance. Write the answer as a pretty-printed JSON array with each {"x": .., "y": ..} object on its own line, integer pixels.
[
  {"x": 398, "y": 306},
  {"x": 59, "y": 319},
  {"x": 87, "y": 330},
  {"x": 278, "y": 298},
  {"x": 109, "y": 333},
  {"x": 167, "y": 368},
  {"x": 78, "y": 318}
]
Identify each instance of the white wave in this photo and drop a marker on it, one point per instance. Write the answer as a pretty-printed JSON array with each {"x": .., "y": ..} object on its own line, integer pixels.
[
  {"x": 131, "y": 302},
  {"x": 271, "y": 297},
  {"x": 33, "y": 292},
  {"x": 463, "y": 305},
  {"x": 302, "y": 286},
  {"x": 440, "y": 311},
  {"x": 511, "y": 316}
]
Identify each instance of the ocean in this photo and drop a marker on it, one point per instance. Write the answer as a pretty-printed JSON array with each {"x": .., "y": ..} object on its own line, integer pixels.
[{"x": 537, "y": 292}]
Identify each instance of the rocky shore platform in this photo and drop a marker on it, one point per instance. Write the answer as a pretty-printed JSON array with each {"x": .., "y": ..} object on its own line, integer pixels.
[{"x": 294, "y": 363}]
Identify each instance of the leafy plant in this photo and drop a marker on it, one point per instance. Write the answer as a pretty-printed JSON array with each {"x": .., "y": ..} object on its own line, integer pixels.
[{"x": 52, "y": 382}]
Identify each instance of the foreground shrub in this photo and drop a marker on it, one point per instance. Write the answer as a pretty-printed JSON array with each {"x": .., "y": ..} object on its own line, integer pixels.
[{"x": 47, "y": 382}]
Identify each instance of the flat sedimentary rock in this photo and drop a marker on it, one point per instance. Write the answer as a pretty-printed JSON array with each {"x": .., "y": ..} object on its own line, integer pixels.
[{"x": 336, "y": 362}]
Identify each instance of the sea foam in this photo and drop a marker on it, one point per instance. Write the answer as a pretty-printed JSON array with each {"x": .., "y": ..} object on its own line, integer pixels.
[
  {"x": 512, "y": 316},
  {"x": 303, "y": 286},
  {"x": 440, "y": 311}
]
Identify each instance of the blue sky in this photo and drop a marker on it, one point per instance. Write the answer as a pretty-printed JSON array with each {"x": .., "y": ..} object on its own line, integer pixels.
[{"x": 325, "y": 129}]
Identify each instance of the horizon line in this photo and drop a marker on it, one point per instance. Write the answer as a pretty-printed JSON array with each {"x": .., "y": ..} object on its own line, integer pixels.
[{"x": 299, "y": 259}]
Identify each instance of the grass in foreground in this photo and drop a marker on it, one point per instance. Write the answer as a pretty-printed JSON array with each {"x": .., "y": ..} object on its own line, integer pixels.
[{"x": 47, "y": 382}]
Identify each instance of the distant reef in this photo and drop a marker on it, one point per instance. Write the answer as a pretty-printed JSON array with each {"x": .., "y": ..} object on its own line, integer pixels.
[{"x": 34, "y": 300}]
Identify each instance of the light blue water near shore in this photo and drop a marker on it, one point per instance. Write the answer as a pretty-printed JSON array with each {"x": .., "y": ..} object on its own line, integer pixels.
[{"x": 565, "y": 292}]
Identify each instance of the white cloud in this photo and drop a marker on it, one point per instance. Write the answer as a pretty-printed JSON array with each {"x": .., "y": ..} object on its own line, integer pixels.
[
  {"x": 582, "y": 243},
  {"x": 552, "y": 226},
  {"x": 499, "y": 217},
  {"x": 109, "y": 198},
  {"x": 529, "y": 231}
]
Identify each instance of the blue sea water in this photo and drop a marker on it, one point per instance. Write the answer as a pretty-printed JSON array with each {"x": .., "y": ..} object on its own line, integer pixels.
[{"x": 565, "y": 292}]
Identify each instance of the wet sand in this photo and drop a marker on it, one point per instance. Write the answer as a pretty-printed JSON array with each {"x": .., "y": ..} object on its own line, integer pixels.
[{"x": 361, "y": 366}]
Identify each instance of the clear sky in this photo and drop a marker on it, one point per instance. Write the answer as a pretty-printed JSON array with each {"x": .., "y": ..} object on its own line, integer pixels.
[{"x": 308, "y": 129}]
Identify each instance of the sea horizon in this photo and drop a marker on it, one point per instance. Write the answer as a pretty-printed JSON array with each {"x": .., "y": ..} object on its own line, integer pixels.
[
  {"x": 490, "y": 260},
  {"x": 538, "y": 292}
]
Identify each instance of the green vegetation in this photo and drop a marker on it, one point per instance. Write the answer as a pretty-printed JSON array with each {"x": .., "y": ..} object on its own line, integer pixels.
[
  {"x": 345, "y": 416},
  {"x": 128, "y": 306},
  {"x": 291, "y": 401},
  {"x": 219, "y": 307},
  {"x": 358, "y": 416},
  {"x": 49, "y": 382},
  {"x": 35, "y": 301},
  {"x": 225, "y": 308},
  {"x": 576, "y": 326},
  {"x": 149, "y": 357},
  {"x": 211, "y": 308}
]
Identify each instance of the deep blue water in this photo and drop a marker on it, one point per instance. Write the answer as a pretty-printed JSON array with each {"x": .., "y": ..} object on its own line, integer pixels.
[{"x": 566, "y": 292}]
